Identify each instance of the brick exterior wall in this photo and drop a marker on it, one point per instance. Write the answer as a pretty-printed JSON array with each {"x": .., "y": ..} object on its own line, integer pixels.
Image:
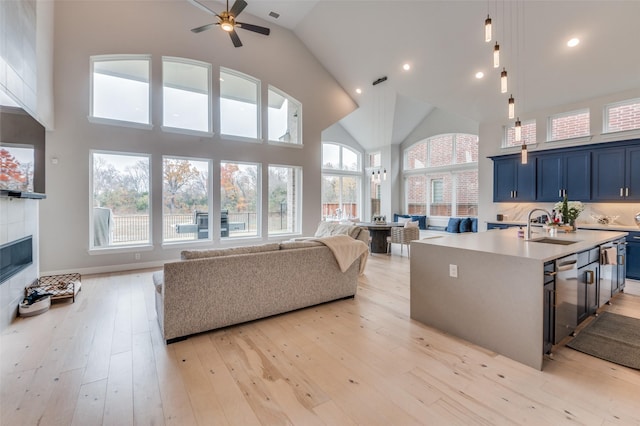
[
  {"x": 623, "y": 117},
  {"x": 528, "y": 134},
  {"x": 570, "y": 126}
]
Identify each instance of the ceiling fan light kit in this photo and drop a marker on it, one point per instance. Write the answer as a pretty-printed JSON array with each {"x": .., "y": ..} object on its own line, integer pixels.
[{"x": 227, "y": 21}]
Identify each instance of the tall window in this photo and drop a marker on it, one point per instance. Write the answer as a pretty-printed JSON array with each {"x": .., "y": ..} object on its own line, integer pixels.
[
  {"x": 185, "y": 199},
  {"x": 284, "y": 199},
  {"x": 285, "y": 118},
  {"x": 120, "y": 88},
  {"x": 622, "y": 116},
  {"x": 569, "y": 125},
  {"x": 121, "y": 200},
  {"x": 528, "y": 132},
  {"x": 240, "y": 199},
  {"x": 16, "y": 168},
  {"x": 341, "y": 182},
  {"x": 186, "y": 94},
  {"x": 441, "y": 176},
  {"x": 239, "y": 100}
]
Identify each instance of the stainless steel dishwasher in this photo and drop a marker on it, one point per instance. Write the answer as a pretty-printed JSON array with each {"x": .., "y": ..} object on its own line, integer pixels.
[
  {"x": 608, "y": 271},
  {"x": 566, "y": 296}
]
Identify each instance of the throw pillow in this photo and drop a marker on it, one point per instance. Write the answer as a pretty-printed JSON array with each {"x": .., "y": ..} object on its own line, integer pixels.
[
  {"x": 465, "y": 225},
  {"x": 411, "y": 224},
  {"x": 396, "y": 216},
  {"x": 474, "y": 224},
  {"x": 454, "y": 225},
  {"x": 422, "y": 220},
  {"x": 403, "y": 220}
]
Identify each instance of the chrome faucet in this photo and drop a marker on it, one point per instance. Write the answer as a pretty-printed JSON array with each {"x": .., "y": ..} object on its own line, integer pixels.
[{"x": 528, "y": 236}]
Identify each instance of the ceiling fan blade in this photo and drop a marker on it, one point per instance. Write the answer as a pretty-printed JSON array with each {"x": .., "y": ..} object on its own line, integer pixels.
[
  {"x": 202, "y": 28},
  {"x": 254, "y": 28},
  {"x": 197, "y": 4},
  {"x": 235, "y": 39},
  {"x": 237, "y": 8}
]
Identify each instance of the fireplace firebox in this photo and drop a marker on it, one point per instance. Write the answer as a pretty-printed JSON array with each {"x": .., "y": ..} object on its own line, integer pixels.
[{"x": 15, "y": 256}]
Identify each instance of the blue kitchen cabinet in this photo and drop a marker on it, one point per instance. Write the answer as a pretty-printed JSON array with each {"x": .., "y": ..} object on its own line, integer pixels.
[
  {"x": 564, "y": 173},
  {"x": 633, "y": 255},
  {"x": 616, "y": 174},
  {"x": 513, "y": 181}
]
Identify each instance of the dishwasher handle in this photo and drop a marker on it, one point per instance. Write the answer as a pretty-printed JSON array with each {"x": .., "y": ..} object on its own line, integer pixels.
[{"x": 566, "y": 266}]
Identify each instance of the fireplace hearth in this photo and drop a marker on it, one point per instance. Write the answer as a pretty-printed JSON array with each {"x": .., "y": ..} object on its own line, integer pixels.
[{"x": 15, "y": 256}]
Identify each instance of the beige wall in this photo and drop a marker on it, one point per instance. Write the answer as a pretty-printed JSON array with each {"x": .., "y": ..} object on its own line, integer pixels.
[{"x": 161, "y": 28}]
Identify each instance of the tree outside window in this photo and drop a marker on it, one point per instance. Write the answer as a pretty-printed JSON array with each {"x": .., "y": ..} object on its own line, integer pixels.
[{"x": 239, "y": 199}]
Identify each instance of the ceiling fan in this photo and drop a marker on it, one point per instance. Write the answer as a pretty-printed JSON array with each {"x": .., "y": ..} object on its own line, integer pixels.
[{"x": 227, "y": 21}]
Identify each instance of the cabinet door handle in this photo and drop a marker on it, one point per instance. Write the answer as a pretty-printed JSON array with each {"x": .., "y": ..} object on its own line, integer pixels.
[
  {"x": 515, "y": 194},
  {"x": 559, "y": 192},
  {"x": 590, "y": 277},
  {"x": 550, "y": 274},
  {"x": 621, "y": 259},
  {"x": 621, "y": 192},
  {"x": 626, "y": 192},
  {"x": 636, "y": 238}
]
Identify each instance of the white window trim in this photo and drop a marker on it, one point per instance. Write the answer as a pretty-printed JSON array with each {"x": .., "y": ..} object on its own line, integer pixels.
[
  {"x": 298, "y": 216},
  {"x": 505, "y": 136},
  {"x": 110, "y": 121},
  {"x": 289, "y": 97},
  {"x": 341, "y": 161},
  {"x": 191, "y": 132},
  {"x": 259, "y": 189},
  {"x": 258, "y": 138},
  {"x": 577, "y": 139},
  {"x": 121, "y": 248}
]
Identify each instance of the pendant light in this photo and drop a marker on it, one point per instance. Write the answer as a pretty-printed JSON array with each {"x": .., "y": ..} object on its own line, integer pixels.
[
  {"x": 503, "y": 81},
  {"x": 512, "y": 107},
  {"x": 518, "y": 130},
  {"x": 487, "y": 29},
  {"x": 496, "y": 55},
  {"x": 524, "y": 158},
  {"x": 384, "y": 174},
  {"x": 373, "y": 176}
]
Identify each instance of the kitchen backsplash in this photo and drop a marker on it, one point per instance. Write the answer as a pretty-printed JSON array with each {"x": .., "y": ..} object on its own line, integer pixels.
[{"x": 517, "y": 212}]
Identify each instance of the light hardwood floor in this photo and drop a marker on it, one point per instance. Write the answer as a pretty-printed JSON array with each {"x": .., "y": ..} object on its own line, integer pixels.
[{"x": 361, "y": 361}]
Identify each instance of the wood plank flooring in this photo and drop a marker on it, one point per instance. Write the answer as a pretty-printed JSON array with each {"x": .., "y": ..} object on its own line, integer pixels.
[{"x": 102, "y": 360}]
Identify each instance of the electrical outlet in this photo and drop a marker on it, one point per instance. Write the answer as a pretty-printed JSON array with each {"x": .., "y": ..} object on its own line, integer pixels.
[
  {"x": 453, "y": 271},
  {"x": 137, "y": 256}
]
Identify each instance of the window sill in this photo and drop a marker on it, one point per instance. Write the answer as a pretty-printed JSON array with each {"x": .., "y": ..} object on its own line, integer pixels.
[
  {"x": 120, "y": 123},
  {"x": 240, "y": 139},
  {"x": 580, "y": 139},
  {"x": 619, "y": 135},
  {"x": 120, "y": 249},
  {"x": 285, "y": 144},
  {"x": 187, "y": 244},
  {"x": 188, "y": 132}
]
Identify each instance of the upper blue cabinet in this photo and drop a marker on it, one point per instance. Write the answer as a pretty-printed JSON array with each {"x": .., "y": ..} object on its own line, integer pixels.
[
  {"x": 616, "y": 174},
  {"x": 564, "y": 173},
  {"x": 606, "y": 172},
  {"x": 513, "y": 181}
]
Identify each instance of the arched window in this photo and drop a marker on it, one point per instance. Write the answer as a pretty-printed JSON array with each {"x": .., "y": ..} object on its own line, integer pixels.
[{"x": 441, "y": 176}]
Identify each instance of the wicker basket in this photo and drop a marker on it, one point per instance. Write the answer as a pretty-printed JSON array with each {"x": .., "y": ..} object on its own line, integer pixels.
[{"x": 63, "y": 286}]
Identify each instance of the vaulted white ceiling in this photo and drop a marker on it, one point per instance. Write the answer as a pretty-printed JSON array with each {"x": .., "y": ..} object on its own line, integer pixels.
[{"x": 361, "y": 41}]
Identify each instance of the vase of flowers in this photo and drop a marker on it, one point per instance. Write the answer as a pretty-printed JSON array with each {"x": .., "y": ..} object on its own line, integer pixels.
[{"x": 570, "y": 210}]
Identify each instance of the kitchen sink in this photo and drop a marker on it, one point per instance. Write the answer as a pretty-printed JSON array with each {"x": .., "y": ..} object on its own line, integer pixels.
[{"x": 547, "y": 240}]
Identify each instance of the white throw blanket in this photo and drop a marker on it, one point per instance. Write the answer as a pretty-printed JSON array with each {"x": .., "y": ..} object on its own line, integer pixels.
[{"x": 346, "y": 250}]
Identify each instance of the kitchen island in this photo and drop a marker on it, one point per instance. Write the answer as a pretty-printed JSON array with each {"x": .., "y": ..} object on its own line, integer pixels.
[{"x": 488, "y": 287}]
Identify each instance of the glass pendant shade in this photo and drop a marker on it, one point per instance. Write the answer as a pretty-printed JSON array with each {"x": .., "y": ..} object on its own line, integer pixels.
[
  {"x": 503, "y": 81},
  {"x": 518, "y": 130},
  {"x": 487, "y": 29},
  {"x": 524, "y": 156},
  {"x": 512, "y": 107},
  {"x": 496, "y": 55},
  {"x": 373, "y": 176},
  {"x": 384, "y": 174}
]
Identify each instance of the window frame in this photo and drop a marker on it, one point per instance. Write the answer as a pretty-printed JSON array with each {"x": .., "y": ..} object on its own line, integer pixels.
[
  {"x": 297, "y": 198},
  {"x": 128, "y": 248},
  {"x": 565, "y": 114},
  {"x": 180, "y": 130},
  {"x": 237, "y": 138},
  {"x": 341, "y": 172},
  {"x": 289, "y": 98},
  {"x": 112, "y": 121},
  {"x": 509, "y": 127},
  {"x": 259, "y": 188},
  {"x": 605, "y": 117},
  {"x": 196, "y": 241},
  {"x": 429, "y": 171}
]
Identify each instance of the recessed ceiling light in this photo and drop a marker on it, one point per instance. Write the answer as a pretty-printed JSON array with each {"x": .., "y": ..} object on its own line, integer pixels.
[
  {"x": 406, "y": 67},
  {"x": 358, "y": 90},
  {"x": 573, "y": 42},
  {"x": 479, "y": 74}
]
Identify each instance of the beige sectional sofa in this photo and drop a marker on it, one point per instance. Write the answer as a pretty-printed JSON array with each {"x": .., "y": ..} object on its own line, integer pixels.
[{"x": 209, "y": 289}]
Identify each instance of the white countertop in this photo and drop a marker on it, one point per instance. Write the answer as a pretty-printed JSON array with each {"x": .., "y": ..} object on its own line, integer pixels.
[
  {"x": 506, "y": 242},
  {"x": 610, "y": 227}
]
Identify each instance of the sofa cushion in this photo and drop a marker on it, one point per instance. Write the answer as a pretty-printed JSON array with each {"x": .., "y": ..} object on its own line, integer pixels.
[
  {"x": 453, "y": 225},
  {"x": 201, "y": 254},
  {"x": 158, "y": 280},
  {"x": 287, "y": 245},
  {"x": 465, "y": 225}
]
